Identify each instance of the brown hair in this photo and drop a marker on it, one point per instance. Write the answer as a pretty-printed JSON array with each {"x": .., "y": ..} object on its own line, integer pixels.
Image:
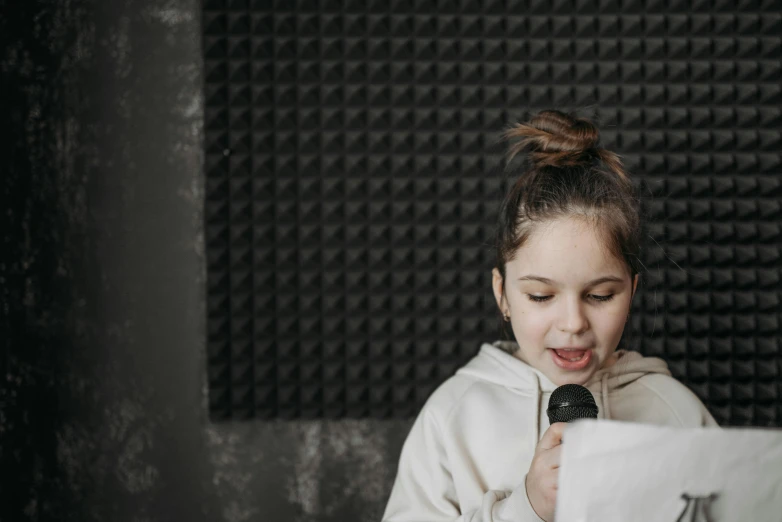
[{"x": 567, "y": 174}]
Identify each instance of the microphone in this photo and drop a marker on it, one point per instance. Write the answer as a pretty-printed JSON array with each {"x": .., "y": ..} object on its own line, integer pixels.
[{"x": 570, "y": 402}]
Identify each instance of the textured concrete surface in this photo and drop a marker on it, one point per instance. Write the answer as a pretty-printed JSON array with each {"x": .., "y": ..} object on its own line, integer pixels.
[{"x": 102, "y": 295}]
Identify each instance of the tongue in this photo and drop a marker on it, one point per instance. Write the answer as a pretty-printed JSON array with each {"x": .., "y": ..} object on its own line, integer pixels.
[{"x": 570, "y": 354}]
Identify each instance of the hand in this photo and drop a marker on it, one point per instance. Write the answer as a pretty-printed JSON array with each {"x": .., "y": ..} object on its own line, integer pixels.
[{"x": 542, "y": 478}]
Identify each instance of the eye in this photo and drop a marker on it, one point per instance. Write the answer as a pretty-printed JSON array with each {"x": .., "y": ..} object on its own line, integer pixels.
[{"x": 544, "y": 298}]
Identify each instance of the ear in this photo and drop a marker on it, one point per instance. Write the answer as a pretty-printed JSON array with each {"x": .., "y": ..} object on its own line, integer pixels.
[
  {"x": 496, "y": 284},
  {"x": 635, "y": 284}
]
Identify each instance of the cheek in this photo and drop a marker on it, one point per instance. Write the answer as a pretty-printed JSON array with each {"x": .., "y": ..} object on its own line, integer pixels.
[
  {"x": 532, "y": 324},
  {"x": 610, "y": 323}
]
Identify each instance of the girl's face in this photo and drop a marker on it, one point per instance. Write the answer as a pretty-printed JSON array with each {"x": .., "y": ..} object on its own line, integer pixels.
[{"x": 555, "y": 300}]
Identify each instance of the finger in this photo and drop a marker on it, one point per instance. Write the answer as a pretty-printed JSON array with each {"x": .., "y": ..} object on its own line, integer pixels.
[
  {"x": 554, "y": 454},
  {"x": 553, "y": 436},
  {"x": 549, "y": 459}
]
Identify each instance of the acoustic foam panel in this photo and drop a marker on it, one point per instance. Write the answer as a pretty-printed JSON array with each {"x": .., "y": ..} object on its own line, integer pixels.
[{"x": 353, "y": 181}]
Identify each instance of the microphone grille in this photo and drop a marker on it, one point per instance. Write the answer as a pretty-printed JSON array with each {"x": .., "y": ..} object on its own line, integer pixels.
[{"x": 570, "y": 402}]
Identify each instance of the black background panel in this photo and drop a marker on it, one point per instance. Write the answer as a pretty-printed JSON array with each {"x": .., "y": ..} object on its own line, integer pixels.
[{"x": 354, "y": 176}]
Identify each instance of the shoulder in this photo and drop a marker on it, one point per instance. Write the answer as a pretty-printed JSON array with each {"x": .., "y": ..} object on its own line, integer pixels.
[
  {"x": 684, "y": 406},
  {"x": 463, "y": 393},
  {"x": 446, "y": 396}
]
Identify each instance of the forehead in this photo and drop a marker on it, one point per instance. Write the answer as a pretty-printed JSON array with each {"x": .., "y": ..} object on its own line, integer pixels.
[{"x": 568, "y": 250}]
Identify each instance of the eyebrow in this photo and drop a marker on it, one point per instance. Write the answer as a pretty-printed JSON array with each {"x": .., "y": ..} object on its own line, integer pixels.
[{"x": 546, "y": 280}]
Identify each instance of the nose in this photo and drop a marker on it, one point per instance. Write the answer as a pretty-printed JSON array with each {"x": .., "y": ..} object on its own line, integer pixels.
[{"x": 573, "y": 319}]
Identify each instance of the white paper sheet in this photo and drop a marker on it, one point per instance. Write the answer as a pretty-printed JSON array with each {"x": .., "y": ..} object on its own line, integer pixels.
[{"x": 625, "y": 471}]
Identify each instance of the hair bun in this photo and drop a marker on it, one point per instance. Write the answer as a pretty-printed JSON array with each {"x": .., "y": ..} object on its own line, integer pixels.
[{"x": 552, "y": 137}]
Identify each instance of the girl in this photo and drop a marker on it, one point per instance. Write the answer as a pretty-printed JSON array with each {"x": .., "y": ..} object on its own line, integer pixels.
[{"x": 568, "y": 246}]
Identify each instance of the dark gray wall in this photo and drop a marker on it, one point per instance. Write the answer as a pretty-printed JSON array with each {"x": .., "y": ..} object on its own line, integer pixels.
[{"x": 102, "y": 294}]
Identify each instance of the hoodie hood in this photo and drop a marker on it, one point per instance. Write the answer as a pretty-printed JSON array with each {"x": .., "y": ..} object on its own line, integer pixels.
[{"x": 494, "y": 363}]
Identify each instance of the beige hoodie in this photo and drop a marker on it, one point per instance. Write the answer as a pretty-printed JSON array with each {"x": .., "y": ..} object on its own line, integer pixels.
[{"x": 468, "y": 451}]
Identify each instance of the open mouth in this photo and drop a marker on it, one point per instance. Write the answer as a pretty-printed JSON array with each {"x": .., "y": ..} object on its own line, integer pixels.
[
  {"x": 571, "y": 355},
  {"x": 571, "y": 359}
]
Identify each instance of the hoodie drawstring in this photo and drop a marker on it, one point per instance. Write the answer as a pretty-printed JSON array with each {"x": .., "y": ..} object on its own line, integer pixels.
[
  {"x": 536, "y": 409},
  {"x": 536, "y": 413},
  {"x": 496, "y": 364},
  {"x": 604, "y": 393}
]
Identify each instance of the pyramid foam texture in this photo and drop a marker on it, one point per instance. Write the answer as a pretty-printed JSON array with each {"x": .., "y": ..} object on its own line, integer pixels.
[{"x": 353, "y": 181}]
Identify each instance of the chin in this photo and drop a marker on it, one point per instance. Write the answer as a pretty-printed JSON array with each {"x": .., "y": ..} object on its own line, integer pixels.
[{"x": 573, "y": 379}]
